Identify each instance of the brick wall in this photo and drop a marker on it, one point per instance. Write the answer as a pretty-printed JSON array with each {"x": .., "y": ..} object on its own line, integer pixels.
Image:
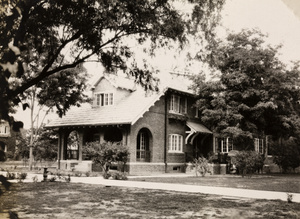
[{"x": 153, "y": 120}]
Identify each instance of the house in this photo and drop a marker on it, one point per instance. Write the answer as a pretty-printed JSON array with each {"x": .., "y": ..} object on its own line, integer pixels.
[
  {"x": 161, "y": 129},
  {"x": 9, "y": 138}
]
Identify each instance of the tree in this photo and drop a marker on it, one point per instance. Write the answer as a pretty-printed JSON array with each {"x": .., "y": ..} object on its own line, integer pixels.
[
  {"x": 62, "y": 90},
  {"x": 46, "y": 147},
  {"x": 39, "y": 38},
  {"x": 286, "y": 153},
  {"x": 255, "y": 94},
  {"x": 106, "y": 153}
]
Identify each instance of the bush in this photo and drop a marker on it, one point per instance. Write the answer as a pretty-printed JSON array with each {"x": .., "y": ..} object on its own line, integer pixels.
[
  {"x": 106, "y": 175},
  {"x": 201, "y": 166},
  {"x": 52, "y": 179},
  {"x": 119, "y": 176},
  {"x": 286, "y": 154},
  {"x": 22, "y": 176},
  {"x": 2, "y": 155},
  {"x": 248, "y": 162},
  {"x": 106, "y": 153},
  {"x": 10, "y": 175},
  {"x": 35, "y": 179}
]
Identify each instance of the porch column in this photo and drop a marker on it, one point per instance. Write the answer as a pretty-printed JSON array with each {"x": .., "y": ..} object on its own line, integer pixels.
[
  {"x": 59, "y": 149},
  {"x": 80, "y": 144},
  {"x": 214, "y": 144},
  {"x": 101, "y": 137},
  {"x": 124, "y": 136},
  {"x": 62, "y": 145}
]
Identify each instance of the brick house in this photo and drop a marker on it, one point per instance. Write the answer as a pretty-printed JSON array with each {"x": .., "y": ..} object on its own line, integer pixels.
[
  {"x": 161, "y": 129},
  {"x": 9, "y": 137}
]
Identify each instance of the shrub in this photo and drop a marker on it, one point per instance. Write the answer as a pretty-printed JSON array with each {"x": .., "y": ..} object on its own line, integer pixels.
[
  {"x": 247, "y": 162},
  {"x": 10, "y": 175},
  {"x": 2, "y": 155},
  {"x": 52, "y": 179},
  {"x": 106, "y": 175},
  {"x": 286, "y": 154},
  {"x": 106, "y": 153},
  {"x": 201, "y": 166},
  {"x": 35, "y": 179},
  {"x": 289, "y": 197},
  {"x": 78, "y": 174},
  {"x": 22, "y": 176},
  {"x": 119, "y": 176}
]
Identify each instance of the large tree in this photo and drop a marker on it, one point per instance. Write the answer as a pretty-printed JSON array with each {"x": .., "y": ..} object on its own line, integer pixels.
[
  {"x": 61, "y": 90},
  {"x": 39, "y": 38},
  {"x": 254, "y": 95}
]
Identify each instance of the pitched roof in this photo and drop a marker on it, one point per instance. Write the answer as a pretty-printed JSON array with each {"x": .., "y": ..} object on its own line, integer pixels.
[
  {"x": 127, "y": 111},
  {"x": 118, "y": 82}
]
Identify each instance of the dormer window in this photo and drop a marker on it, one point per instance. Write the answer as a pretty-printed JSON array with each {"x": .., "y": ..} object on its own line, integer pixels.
[
  {"x": 4, "y": 129},
  {"x": 178, "y": 104},
  {"x": 104, "y": 99}
]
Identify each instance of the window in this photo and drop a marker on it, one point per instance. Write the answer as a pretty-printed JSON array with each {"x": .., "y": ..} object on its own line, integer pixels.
[
  {"x": 225, "y": 145},
  {"x": 4, "y": 129},
  {"x": 175, "y": 143},
  {"x": 142, "y": 150},
  {"x": 259, "y": 145},
  {"x": 104, "y": 99},
  {"x": 178, "y": 104},
  {"x": 73, "y": 146},
  {"x": 142, "y": 141}
]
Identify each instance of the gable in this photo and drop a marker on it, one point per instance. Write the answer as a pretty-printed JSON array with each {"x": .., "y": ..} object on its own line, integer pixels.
[{"x": 105, "y": 86}]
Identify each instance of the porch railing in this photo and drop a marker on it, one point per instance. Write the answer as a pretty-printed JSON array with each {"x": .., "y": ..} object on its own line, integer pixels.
[{"x": 72, "y": 154}]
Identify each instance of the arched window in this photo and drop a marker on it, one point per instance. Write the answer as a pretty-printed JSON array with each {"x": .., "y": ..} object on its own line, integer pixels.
[
  {"x": 142, "y": 145},
  {"x": 73, "y": 146}
]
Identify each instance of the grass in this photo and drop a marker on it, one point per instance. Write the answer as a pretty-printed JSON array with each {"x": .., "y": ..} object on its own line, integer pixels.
[
  {"x": 72, "y": 200},
  {"x": 276, "y": 182}
]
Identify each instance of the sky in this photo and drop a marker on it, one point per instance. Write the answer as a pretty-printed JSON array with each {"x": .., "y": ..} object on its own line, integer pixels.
[
  {"x": 277, "y": 18},
  {"x": 273, "y": 17}
]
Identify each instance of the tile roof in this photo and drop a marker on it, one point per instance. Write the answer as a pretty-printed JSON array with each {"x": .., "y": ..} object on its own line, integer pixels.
[
  {"x": 118, "y": 82},
  {"x": 127, "y": 111}
]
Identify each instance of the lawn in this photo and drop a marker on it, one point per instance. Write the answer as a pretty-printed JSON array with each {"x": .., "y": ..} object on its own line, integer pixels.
[
  {"x": 275, "y": 182},
  {"x": 74, "y": 200}
]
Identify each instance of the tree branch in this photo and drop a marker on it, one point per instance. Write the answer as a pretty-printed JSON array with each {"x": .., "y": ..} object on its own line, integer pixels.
[{"x": 43, "y": 75}]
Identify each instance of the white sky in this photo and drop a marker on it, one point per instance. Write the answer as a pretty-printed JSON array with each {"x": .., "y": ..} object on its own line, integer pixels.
[{"x": 272, "y": 17}]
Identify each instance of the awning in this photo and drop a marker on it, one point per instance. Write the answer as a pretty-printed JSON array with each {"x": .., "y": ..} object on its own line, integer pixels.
[{"x": 197, "y": 127}]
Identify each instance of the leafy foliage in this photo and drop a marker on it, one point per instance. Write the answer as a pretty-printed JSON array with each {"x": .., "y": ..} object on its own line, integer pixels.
[
  {"x": 253, "y": 94},
  {"x": 201, "y": 166},
  {"x": 106, "y": 153},
  {"x": 247, "y": 162},
  {"x": 45, "y": 146},
  {"x": 44, "y": 37},
  {"x": 286, "y": 153},
  {"x": 45, "y": 149}
]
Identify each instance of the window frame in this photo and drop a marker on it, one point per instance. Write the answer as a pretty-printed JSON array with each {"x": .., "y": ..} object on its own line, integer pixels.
[
  {"x": 226, "y": 145},
  {"x": 259, "y": 145},
  {"x": 103, "y": 99},
  {"x": 4, "y": 129},
  {"x": 178, "y": 104},
  {"x": 175, "y": 143}
]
